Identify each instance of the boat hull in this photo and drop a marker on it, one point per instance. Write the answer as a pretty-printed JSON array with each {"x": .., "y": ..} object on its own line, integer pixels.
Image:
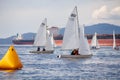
[
  {"x": 116, "y": 48},
  {"x": 75, "y": 56},
  {"x": 23, "y": 42},
  {"x": 95, "y": 47},
  {"x": 43, "y": 52}
]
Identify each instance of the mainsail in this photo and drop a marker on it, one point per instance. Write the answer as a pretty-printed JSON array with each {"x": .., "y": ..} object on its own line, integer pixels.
[
  {"x": 71, "y": 35},
  {"x": 40, "y": 39},
  {"x": 114, "y": 43},
  {"x": 94, "y": 42}
]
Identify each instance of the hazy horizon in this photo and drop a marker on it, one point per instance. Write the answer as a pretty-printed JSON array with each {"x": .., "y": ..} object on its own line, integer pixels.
[{"x": 22, "y": 16}]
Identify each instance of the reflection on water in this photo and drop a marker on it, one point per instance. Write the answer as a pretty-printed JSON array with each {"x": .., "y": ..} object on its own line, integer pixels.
[{"x": 103, "y": 65}]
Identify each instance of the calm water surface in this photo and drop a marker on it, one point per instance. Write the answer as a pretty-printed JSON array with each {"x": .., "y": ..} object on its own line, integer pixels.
[{"x": 103, "y": 65}]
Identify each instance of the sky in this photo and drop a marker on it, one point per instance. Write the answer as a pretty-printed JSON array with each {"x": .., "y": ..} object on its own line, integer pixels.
[{"x": 22, "y": 16}]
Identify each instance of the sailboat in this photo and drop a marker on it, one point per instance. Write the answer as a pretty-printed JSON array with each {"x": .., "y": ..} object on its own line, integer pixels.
[
  {"x": 114, "y": 42},
  {"x": 74, "y": 38},
  {"x": 94, "y": 42},
  {"x": 43, "y": 39}
]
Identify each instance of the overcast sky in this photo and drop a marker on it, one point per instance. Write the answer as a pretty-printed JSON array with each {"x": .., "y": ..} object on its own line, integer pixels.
[{"x": 22, "y": 16}]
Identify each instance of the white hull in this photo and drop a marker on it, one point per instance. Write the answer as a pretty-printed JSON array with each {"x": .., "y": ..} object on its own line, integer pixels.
[
  {"x": 43, "y": 52},
  {"x": 75, "y": 56}
]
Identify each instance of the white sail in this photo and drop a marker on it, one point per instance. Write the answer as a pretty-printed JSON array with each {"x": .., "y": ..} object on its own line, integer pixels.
[
  {"x": 49, "y": 45},
  {"x": 52, "y": 40},
  {"x": 84, "y": 46},
  {"x": 114, "y": 43},
  {"x": 71, "y": 38},
  {"x": 94, "y": 42},
  {"x": 40, "y": 39}
]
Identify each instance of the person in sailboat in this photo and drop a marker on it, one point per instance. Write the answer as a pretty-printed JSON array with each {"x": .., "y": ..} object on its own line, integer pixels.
[
  {"x": 74, "y": 52},
  {"x": 43, "y": 49},
  {"x": 77, "y": 52},
  {"x": 93, "y": 47},
  {"x": 38, "y": 49}
]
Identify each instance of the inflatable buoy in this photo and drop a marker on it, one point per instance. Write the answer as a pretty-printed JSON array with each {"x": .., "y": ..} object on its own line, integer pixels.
[{"x": 10, "y": 61}]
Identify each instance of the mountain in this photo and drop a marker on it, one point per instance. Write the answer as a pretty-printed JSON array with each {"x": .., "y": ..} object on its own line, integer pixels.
[
  {"x": 101, "y": 28},
  {"x": 28, "y": 36},
  {"x": 7, "y": 40}
]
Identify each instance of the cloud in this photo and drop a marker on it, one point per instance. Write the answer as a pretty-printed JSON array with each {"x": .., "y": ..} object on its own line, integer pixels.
[
  {"x": 105, "y": 13},
  {"x": 100, "y": 13},
  {"x": 115, "y": 13}
]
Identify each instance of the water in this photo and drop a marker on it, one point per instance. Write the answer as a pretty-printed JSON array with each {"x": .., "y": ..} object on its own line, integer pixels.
[{"x": 103, "y": 65}]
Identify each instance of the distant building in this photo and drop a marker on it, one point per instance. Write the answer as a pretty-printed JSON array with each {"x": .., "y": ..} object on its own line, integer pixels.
[{"x": 54, "y": 30}]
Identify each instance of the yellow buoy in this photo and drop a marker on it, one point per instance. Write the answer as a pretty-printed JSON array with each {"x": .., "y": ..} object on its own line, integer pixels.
[{"x": 10, "y": 61}]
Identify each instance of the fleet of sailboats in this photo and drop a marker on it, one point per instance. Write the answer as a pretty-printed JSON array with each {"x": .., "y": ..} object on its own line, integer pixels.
[
  {"x": 74, "y": 38},
  {"x": 94, "y": 42},
  {"x": 44, "y": 39},
  {"x": 114, "y": 42}
]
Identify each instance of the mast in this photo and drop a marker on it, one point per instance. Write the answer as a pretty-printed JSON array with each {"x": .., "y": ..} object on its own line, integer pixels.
[{"x": 77, "y": 20}]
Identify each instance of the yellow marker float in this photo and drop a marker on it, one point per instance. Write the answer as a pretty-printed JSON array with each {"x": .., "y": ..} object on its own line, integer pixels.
[{"x": 10, "y": 61}]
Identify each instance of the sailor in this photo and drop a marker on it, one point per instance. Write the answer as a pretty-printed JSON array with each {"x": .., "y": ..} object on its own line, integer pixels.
[
  {"x": 43, "y": 49},
  {"x": 38, "y": 49},
  {"x": 75, "y": 52}
]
